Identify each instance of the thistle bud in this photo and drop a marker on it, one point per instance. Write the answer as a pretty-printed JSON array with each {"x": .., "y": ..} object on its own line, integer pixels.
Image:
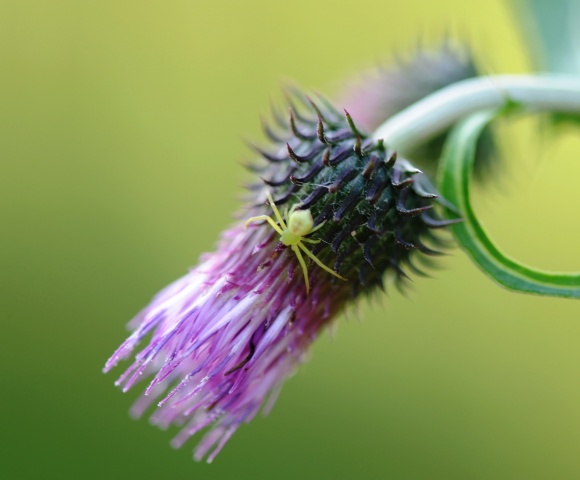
[{"x": 375, "y": 208}]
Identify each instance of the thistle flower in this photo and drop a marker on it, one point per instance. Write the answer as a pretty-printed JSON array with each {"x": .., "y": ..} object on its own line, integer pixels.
[{"x": 225, "y": 336}]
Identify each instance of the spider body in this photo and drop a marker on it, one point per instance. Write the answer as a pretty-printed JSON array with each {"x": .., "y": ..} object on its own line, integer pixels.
[{"x": 293, "y": 233}]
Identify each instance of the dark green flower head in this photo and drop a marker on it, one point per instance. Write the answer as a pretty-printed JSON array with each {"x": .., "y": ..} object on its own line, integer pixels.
[{"x": 377, "y": 208}]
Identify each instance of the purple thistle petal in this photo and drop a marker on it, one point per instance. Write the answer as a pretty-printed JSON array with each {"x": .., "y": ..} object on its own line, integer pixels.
[{"x": 224, "y": 337}]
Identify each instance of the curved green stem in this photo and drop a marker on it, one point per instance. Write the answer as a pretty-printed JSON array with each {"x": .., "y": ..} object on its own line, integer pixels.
[
  {"x": 455, "y": 169},
  {"x": 437, "y": 112}
]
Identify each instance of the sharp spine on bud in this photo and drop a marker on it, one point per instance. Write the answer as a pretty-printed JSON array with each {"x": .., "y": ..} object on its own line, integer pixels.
[
  {"x": 379, "y": 183},
  {"x": 276, "y": 183},
  {"x": 436, "y": 223},
  {"x": 278, "y": 119},
  {"x": 351, "y": 124},
  {"x": 297, "y": 133},
  {"x": 369, "y": 244},
  {"x": 401, "y": 241},
  {"x": 350, "y": 201},
  {"x": 357, "y": 147},
  {"x": 370, "y": 167},
  {"x": 316, "y": 109},
  {"x": 333, "y": 162},
  {"x": 268, "y": 156},
  {"x": 426, "y": 250},
  {"x": 316, "y": 195},
  {"x": 302, "y": 159},
  {"x": 326, "y": 158},
  {"x": 308, "y": 175},
  {"x": 342, "y": 179},
  {"x": 294, "y": 109},
  {"x": 413, "y": 212},
  {"x": 392, "y": 160},
  {"x": 273, "y": 136},
  {"x": 402, "y": 184},
  {"x": 320, "y": 131}
]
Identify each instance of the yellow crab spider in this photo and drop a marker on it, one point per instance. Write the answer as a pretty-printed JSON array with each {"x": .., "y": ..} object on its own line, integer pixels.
[{"x": 292, "y": 235}]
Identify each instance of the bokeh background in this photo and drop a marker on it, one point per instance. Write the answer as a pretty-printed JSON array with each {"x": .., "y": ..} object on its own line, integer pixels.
[{"x": 122, "y": 127}]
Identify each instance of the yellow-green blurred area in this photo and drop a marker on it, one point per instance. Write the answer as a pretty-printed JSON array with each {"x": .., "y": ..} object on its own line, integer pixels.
[{"x": 121, "y": 144}]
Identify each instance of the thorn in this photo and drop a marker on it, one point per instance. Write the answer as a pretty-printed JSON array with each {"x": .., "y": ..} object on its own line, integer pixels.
[
  {"x": 268, "y": 156},
  {"x": 333, "y": 162},
  {"x": 316, "y": 109},
  {"x": 357, "y": 147},
  {"x": 369, "y": 244},
  {"x": 402, "y": 184},
  {"x": 378, "y": 184},
  {"x": 268, "y": 131},
  {"x": 363, "y": 276},
  {"x": 330, "y": 108},
  {"x": 292, "y": 105},
  {"x": 401, "y": 241},
  {"x": 421, "y": 192},
  {"x": 324, "y": 215},
  {"x": 308, "y": 175},
  {"x": 404, "y": 212},
  {"x": 320, "y": 131},
  {"x": 276, "y": 183},
  {"x": 276, "y": 116},
  {"x": 313, "y": 197},
  {"x": 372, "y": 223},
  {"x": 369, "y": 167},
  {"x": 426, "y": 250},
  {"x": 254, "y": 168},
  {"x": 409, "y": 169},
  {"x": 326, "y": 157},
  {"x": 399, "y": 270},
  {"x": 416, "y": 270},
  {"x": 293, "y": 156},
  {"x": 305, "y": 158},
  {"x": 297, "y": 133},
  {"x": 342, "y": 179},
  {"x": 392, "y": 159},
  {"x": 436, "y": 223},
  {"x": 351, "y": 124},
  {"x": 289, "y": 194},
  {"x": 350, "y": 201}
]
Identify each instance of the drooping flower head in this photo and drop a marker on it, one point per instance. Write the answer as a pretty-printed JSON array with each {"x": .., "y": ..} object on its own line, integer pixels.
[{"x": 223, "y": 338}]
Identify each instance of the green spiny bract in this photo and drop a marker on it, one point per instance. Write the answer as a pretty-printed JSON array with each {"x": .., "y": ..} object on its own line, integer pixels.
[{"x": 378, "y": 208}]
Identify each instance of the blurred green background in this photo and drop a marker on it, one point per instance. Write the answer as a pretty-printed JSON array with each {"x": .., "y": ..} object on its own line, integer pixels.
[{"x": 121, "y": 141}]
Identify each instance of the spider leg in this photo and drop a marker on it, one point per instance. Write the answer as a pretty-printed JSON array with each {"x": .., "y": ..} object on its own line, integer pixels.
[
  {"x": 308, "y": 240},
  {"x": 276, "y": 211},
  {"x": 317, "y": 227},
  {"x": 303, "y": 265},
  {"x": 259, "y": 218},
  {"x": 318, "y": 262}
]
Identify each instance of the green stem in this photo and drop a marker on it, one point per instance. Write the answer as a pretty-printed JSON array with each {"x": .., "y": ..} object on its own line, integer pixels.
[
  {"x": 437, "y": 112},
  {"x": 455, "y": 172}
]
